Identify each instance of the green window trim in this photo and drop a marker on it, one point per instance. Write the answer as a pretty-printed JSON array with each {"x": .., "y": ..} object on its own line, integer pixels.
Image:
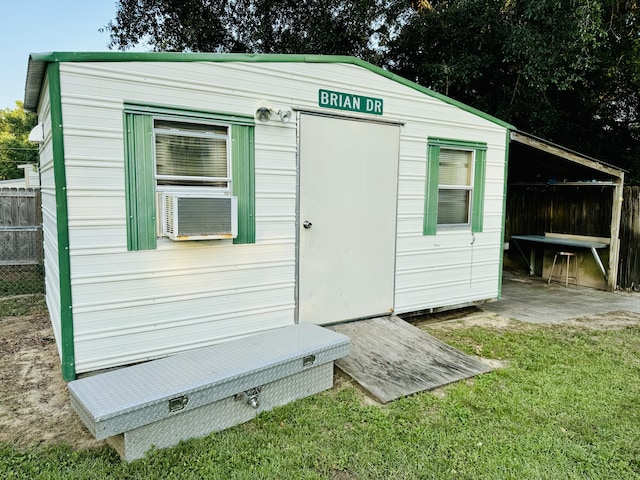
[
  {"x": 156, "y": 110},
  {"x": 431, "y": 194},
  {"x": 140, "y": 182},
  {"x": 479, "y": 175},
  {"x": 243, "y": 181},
  {"x": 430, "y": 221}
]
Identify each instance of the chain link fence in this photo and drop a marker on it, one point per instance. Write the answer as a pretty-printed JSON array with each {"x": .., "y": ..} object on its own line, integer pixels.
[{"x": 21, "y": 256}]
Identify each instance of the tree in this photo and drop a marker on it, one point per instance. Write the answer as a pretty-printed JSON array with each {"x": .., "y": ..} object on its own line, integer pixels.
[
  {"x": 338, "y": 27},
  {"x": 15, "y": 148},
  {"x": 610, "y": 104},
  {"x": 568, "y": 70},
  {"x": 509, "y": 58}
]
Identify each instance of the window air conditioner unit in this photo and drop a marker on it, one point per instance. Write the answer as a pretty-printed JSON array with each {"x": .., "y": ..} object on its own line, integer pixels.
[{"x": 190, "y": 216}]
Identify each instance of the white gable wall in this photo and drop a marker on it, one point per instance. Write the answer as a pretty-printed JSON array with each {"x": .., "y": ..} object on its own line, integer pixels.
[{"x": 131, "y": 306}]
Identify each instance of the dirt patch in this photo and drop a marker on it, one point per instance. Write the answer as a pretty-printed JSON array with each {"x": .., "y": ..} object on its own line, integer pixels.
[
  {"x": 616, "y": 320},
  {"x": 342, "y": 380},
  {"x": 494, "y": 363},
  {"x": 475, "y": 318},
  {"x": 34, "y": 406}
]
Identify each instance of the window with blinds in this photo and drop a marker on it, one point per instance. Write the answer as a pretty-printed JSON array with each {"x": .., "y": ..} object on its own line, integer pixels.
[
  {"x": 455, "y": 184},
  {"x": 191, "y": 154}
]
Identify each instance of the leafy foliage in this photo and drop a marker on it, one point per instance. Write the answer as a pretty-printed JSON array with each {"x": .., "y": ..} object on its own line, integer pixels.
[
  {"x": 15, "y": 148},
  {"x": 336, "y": 27},
  {"x": 568, "y": 71}
]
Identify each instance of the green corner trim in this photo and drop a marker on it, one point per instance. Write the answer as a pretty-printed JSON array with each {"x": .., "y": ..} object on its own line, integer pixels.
[
  {"x": 62, "y": 224},
  {"x": 36, "y": 61},
  {"x": 507, "y": 143}
]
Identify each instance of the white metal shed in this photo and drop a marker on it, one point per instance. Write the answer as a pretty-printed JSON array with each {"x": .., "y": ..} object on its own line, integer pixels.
[{"x": 193, "y": 198}]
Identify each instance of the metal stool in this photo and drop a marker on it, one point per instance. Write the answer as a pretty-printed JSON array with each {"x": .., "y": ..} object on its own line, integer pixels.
[{"x": 569, "y": 256}]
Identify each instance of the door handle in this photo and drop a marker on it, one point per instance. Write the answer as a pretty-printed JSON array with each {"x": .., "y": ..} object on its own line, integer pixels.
[{"x": 307, "y": 224}]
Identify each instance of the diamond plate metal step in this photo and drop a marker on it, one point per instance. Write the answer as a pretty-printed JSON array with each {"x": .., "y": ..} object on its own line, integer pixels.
[{"x": 164, "y": 401}]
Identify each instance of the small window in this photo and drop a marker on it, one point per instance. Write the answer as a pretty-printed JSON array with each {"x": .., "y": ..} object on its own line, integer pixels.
[
  {"x": 192, "y": 155},
  {"x": 455, "y": 174},
  {"x": 172, "y": 150},
  {"x": 455, "y": 185}
]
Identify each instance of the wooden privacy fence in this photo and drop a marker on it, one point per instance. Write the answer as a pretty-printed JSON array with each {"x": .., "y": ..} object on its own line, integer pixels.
[
  {"x": 20, "y": 241},
  {"x": 582, "y": 211},
  {"x": 629, "y": 267},
  {"x": 571, "y": 210}
]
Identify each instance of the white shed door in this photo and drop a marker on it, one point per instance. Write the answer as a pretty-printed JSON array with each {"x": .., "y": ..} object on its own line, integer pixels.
[{"x": 347, "y": 223}]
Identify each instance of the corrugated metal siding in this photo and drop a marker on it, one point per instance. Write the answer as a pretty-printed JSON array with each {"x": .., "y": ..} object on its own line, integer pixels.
[
  {"x": 130, "y": 306},
  {"x": 452, "y": 267}
]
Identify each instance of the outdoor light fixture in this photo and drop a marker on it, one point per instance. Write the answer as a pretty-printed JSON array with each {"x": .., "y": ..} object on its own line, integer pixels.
[
  {"x": 263, "y": 114},
  {"x": 36, "y": 135},
  {"x": 285, "y": 115},
  {"x": 265, "y": 111}
]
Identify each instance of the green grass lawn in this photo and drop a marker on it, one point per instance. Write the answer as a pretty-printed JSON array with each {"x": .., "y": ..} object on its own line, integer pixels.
[{"x": 566, "y": 406}]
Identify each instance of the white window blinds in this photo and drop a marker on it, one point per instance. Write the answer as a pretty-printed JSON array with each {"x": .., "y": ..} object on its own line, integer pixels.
[
  {"x": 191, "y": 154},
  {"x": 455, "y": 167},
  {"x": 455, "y": 173}
]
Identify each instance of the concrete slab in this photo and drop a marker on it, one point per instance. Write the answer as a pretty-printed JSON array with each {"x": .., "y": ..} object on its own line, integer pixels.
[{"x": 530, "y": 299}]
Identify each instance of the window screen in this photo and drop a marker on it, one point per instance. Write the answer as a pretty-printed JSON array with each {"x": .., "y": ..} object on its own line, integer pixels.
[
  {"x": 453, "y": 207},
  {"x": 455, "y": 167},
  {"x": 455, "y": 173},
  {"x": 191, "y": 154}
]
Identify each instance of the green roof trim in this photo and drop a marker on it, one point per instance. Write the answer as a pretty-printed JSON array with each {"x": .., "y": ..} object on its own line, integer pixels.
[{"x": 38, "y": 62}]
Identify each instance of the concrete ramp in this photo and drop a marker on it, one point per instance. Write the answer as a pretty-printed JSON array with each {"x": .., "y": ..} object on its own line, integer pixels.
[{"x": 391, "y": 358}]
